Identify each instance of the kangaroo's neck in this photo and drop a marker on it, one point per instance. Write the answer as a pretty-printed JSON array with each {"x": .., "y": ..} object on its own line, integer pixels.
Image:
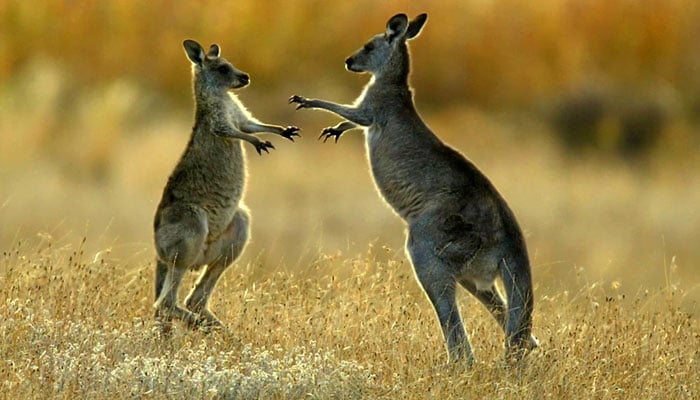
[
  {"x": 208, "y": 100},
  {"x": 212, "y": 107},
  {"x": 397, "y": 68},
  {"x": 392, "y": 80}
]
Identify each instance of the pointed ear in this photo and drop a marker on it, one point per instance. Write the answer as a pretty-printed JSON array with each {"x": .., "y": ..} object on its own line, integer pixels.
[
  {"x": 415, "y": 26},
  {"x": 194, "y": 51},
  {"x": 396, "y": 27},
  {"x": 214, "y": 51}
]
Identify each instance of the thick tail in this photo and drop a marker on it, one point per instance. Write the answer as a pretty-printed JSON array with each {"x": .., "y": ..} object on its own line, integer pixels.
[
  {"x": 161, "y": 272},
  {"x": 517, "y": 281}
]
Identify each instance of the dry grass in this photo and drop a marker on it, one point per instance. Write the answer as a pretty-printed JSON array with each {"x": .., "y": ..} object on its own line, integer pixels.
[{"x": 343, "y": 328}]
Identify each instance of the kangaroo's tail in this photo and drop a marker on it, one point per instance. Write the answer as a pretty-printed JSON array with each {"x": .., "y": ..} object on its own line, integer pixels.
[{"x": 517, "y": 282}]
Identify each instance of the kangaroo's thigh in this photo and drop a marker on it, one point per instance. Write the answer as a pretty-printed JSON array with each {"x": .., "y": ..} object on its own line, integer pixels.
[
  {"x": 438, "y": 281},
  {"x": 220, "y": 255},
  {"x": 230, "y": 244},
  {"x": 180, "y": 235}
]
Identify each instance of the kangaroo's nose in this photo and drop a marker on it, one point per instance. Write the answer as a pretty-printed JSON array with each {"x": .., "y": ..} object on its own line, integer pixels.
[
  {"x": 348, "y": 61},
  {"x": 244, "y": 79}
]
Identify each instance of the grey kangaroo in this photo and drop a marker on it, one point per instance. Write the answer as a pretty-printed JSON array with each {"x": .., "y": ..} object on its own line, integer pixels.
[
  {"x": 201, "y": 219},
  {"x": 460, "y": 230}
]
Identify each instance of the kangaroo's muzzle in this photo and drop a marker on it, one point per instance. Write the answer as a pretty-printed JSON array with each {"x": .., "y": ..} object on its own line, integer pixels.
[
  {"x": 241, "y": 81},
  {"x": 349, "y": 65}
]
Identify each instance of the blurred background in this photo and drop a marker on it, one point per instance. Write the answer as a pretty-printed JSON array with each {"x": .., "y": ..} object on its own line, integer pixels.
[{"x": 584, "y": 113}]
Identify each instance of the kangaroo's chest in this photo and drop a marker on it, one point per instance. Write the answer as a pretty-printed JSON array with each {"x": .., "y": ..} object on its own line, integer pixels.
[
  {"x": 212, "y": 175},
  {"x": 397, "y": 175}
]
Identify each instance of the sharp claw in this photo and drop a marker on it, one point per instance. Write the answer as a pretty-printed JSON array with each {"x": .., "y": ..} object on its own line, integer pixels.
[{"x": 290, "y": 132}]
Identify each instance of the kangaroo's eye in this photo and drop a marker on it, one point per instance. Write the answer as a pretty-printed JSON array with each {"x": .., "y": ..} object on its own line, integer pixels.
[{"x": 223, "y": 69}]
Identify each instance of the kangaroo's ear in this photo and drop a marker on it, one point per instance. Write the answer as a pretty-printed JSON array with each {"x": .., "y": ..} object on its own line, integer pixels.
[
  {"x": 415, "y": 26},
  {"x": 194, "y": 51},
  {"x": 214, "y": 51},
  {"x": 396, "y": 27}
]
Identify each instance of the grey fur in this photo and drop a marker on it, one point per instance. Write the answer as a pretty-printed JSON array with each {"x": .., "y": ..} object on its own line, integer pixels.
[
  {"x": 201, "y": 219},
  {"x": 460, "y": 230}
]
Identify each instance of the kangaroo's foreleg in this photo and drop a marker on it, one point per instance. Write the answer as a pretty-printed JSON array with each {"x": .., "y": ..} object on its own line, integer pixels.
[
  {"x": 260, "y": 145},
  {"x": 356, "y": 115},
  {"x": 252, "y": 126},
  {"x": 337, "y": 130}
]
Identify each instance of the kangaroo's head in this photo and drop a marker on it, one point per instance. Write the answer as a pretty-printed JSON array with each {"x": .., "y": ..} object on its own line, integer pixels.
[
  {"x": 386, "y": 54},
  {"x": 212, "y": 72}
]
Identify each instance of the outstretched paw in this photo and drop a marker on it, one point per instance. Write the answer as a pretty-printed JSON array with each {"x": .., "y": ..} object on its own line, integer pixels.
[
  {"x": 330, "y": 132},
  {"x": 302, "y": 102},
  {"x": 261, "y": 146},
  {"x": 291, "y": 131}
]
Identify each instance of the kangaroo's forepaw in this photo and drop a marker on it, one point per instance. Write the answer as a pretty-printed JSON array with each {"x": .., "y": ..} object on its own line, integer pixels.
[
  {"x": 291, "y": 131},
  {"x": 261, "y": 146},
  {"x": 301, "y": 101},
  {"x": 330, "y": 132}
]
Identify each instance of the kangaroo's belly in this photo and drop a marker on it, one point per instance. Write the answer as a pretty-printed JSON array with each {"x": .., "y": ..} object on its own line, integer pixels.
[
  {"x": 396, "y": 178},
  {"x": 217, "y": 188},
  {"x": 219, "y": 218}
]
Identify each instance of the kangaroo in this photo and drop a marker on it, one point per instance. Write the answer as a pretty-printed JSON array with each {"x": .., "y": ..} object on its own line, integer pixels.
[
  {"x": 201, "y": 219},
  {"x": 460, "y": 229}
]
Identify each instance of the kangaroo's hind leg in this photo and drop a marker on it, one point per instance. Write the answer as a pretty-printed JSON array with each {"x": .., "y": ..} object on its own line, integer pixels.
[
  {"x": 222, "y": 253},
  {"x": 492, "y": 299},
  {"x": 179, "y": 238},
  {"x": 439, "y": 285}
]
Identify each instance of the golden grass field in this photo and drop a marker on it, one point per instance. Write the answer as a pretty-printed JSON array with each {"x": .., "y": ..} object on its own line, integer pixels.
[{"x": 323, "y": 303}]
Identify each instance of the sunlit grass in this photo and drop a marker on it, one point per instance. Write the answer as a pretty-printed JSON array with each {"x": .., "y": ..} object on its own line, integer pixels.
[{"x": 77, "y": 324}]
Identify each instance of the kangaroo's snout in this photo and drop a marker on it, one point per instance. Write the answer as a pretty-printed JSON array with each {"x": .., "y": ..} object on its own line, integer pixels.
[
  {"x": 241, "y": 81},
  {"x": 350, "y": 65}
]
